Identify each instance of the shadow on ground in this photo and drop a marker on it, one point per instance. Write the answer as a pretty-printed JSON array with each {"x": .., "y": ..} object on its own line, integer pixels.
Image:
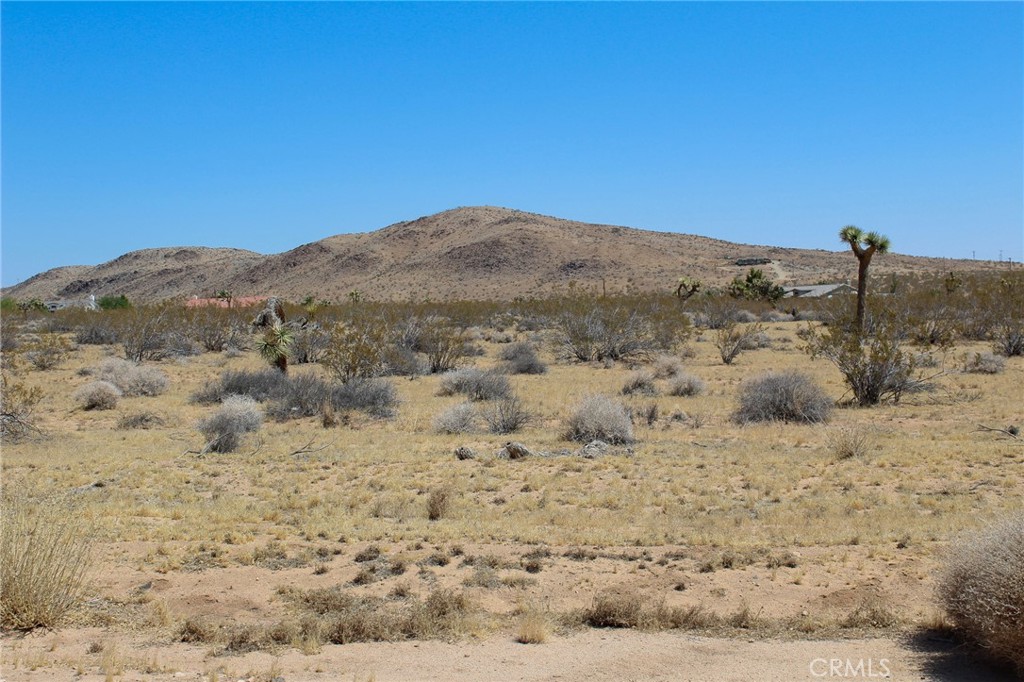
[{"x": 949, "y": 659}]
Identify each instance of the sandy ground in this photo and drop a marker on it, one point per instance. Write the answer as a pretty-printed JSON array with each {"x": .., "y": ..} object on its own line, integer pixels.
[{"x": 587, "y": 655}]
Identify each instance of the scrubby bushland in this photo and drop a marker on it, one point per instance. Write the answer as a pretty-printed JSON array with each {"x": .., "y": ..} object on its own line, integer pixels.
[
  {"x": 131, "y": 378},
  {"x": 786, "y": 396},
  {"x": 521, "y": 358},
  {"x": 461, "y": 418},
  {"x": 302, "y": 395},
  {"x": 982, "y": 588},
  {"x": 237, "y": 416},
  {"x": 506, "y": 415},
  {"x": 98, "y": 395},
  {"x": 476, "y": 384},
  {"x": 44, "y": 557},
  {"x": 598, "y": 417}
]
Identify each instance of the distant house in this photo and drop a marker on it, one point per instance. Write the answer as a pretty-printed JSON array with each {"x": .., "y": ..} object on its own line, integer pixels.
[
  {"x": 818, "y": 290},
  {"x": 753, "y": 261},
  {"x": 88, "y": 303},
  {"x": 236, "y": 302}
]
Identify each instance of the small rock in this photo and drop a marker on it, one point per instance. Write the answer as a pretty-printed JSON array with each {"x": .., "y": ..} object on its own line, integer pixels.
[
  {"x": 513, "y": 450},
  {"x": 463, "y": 453}
]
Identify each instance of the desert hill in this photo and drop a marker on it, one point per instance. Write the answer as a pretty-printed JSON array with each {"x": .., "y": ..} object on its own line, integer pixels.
[{"x": 465, "y": 253}]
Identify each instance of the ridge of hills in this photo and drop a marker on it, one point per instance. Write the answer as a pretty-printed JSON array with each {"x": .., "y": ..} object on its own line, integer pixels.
[{"x": 472, "y": 253}]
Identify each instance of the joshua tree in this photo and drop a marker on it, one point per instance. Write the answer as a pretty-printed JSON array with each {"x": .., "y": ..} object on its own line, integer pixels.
[
  {"x": 687, "y": 287},
  {"x": 864, "y": 246},
  {"x": 277, "y": 337}
]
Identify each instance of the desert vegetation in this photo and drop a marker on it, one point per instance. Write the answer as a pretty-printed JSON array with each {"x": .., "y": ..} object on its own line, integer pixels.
[{"x": 814, "y": 484}]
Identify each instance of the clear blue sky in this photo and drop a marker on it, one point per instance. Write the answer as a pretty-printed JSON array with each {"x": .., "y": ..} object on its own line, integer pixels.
[{"x": 265, "y": 126}]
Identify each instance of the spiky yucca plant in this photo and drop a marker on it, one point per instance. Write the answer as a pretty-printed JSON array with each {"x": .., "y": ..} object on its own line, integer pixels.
[{"x": 274, "y": 345}]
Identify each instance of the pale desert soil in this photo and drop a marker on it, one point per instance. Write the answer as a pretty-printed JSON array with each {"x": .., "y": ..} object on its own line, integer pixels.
[{"x": 587, "y": 655}]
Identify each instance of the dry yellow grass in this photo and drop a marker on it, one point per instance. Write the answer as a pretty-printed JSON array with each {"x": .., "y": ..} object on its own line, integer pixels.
[{"x": 695, "y": 492}]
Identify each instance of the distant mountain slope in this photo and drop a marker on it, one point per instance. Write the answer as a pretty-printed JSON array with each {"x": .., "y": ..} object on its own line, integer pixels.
[{"x": 470, "y": 253}]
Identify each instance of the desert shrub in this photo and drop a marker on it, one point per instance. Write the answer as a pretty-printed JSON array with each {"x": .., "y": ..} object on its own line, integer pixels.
[
  {"x": 260, "y": 386},
  {"x": 111, "y": 302},
  {"x": 666, "y": 367},
  {"x": 521, "y": 358},
  {"x": 302, "y": 395},
  {"x": 849, "y": 443},
  {"x": 744, "y": 317},
  {"x": 439, "y": 503},
  {"x": 616, "y": 610},
  {"x": 17, "y": 403},
  {"x": 442, "y": 342},
  {"x": 376, "y": 397},
  {"x": 309, "y": 345},
  {"x": 143, "y": 332},
  {"x": 685, "y": 385},
  {"x": 476, "y": 384},
  {"x": 786, "y": 396},
  {"x": 98, "y": 395},
  {"x": 44, "y": 557},
  {"x": 874, "y": 366},
  {"x": 640, "y": 383},
  {"x": 47, "y": 351},
  {"x": 598, "y": 417},
  {"x": 237, "y": 416},
  {"x": 131, "y": 378},
  {"x": 213, "y": 328},
  {"x": 731, "y": 339},
  {"x": 308, "y": 395},
  {"x": 757, "y": 341},
  {"x": 982, "y": 588},
  {"x": 461, "y": 418},
  {"x": 604, "y": 333},
  {"x": 776, "y": 316},
  {"x": 983, "y": 363},
  {"x": 506, "y": 415},
  {"x": 356, "y": 348},
  {"x": 97, "y": 331}
]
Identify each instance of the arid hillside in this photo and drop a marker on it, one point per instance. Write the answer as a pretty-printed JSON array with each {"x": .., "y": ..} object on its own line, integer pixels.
[{"x": 465, "y": 253}]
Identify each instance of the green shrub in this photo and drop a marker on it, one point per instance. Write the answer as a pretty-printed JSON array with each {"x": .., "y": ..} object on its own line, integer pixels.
[{"x": 113, "y": 302}]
